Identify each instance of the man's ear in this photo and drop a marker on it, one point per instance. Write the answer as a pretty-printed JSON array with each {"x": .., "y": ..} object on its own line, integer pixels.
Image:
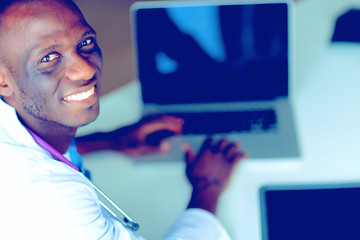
[{"x": 5, "y": 86}]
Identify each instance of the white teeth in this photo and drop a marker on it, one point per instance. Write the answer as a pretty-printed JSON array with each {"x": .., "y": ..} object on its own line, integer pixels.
[{"x": 81, "y": 96}]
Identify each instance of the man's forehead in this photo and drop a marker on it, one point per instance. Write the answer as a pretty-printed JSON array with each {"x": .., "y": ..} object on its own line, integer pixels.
[
  {"x": 39, "y": 14},
  {"x": 28, "y": 4},
  {"x": 46, "y": 22},
  {"x": 40, "y": 8}
]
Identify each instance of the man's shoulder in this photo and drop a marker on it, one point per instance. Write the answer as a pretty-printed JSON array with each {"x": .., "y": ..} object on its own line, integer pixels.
[
  {"x": 28, "y": 165},
  {"x": 16, "y": 156}
]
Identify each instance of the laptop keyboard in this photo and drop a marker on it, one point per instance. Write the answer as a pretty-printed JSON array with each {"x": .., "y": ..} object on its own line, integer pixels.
[{"x": 224, "y": 122}]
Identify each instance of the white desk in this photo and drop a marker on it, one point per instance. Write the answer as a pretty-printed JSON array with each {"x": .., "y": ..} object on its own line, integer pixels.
[{"x": 328, "y": 116}]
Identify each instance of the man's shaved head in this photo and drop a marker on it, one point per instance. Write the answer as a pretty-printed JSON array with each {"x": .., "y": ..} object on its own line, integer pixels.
[
  {"x": 50, "y": 63},
  {"x": 9, "y": 7},
  {"x": 5, "y": 4}
]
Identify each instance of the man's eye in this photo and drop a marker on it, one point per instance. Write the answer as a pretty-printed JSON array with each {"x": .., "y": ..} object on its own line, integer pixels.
[
  {"x": 50, "y": 57},
  {"x": 88, "y": 44}
]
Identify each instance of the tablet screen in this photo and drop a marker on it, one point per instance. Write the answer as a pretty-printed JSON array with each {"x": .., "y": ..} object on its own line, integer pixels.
[{"x": 311, "y": 212}]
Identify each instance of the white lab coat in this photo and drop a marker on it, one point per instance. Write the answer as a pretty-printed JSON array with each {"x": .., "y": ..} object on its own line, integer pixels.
[{"x": 42, "y": 198}]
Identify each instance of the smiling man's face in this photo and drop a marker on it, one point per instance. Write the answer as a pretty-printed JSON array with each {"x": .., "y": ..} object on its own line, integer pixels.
[{"x": 52, "y": 63}]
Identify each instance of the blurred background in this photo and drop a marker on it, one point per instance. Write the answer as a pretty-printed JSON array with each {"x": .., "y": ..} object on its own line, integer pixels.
[
  {"x": 110, "y": 18},
  {"x": 156, "y": 193}
]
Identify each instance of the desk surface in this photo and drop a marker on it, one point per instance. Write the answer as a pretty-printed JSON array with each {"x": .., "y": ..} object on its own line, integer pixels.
[{"x": 327, "y": 118}]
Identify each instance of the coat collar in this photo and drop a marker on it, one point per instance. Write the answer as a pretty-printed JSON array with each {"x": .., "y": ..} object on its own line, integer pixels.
[{"x": 11, "y": 129}]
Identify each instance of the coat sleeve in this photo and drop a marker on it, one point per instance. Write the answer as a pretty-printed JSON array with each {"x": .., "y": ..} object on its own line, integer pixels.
[{"x": 197, "y": 224}]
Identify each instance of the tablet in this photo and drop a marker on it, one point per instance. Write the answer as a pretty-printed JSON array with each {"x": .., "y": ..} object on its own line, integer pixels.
[{"x": 311, "y": 212}]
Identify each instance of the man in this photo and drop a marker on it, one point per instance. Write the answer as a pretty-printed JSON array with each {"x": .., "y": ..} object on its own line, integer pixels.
[{"x": 50, "y": 71}]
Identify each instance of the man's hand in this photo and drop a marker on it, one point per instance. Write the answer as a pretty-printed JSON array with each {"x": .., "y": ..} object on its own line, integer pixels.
[
  {"x": 148, "y": 135},
  {"x": 209, "y": 171},
  {"x": 144, "y": 137}
]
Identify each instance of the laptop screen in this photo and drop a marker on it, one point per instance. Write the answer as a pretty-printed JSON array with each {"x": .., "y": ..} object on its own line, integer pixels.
[
  {"x": 212, "y": 53},
  {"x": 311, "y": 212}
]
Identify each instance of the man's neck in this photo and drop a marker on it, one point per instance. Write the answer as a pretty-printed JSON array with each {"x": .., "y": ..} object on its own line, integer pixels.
[{"x": 56, "y": 135}]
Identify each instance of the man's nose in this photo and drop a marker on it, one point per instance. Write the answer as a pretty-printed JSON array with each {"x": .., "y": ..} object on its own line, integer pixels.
[{"x": 80, "y": 68}]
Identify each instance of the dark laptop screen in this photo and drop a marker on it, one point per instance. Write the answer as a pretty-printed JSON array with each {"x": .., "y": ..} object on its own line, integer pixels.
[
  {"x": 311, "y": 214},
  {"x": 194, "y": 54}
]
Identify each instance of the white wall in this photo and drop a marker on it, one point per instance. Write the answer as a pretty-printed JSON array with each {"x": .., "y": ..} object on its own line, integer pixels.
[{"x": 315, "y": 20}]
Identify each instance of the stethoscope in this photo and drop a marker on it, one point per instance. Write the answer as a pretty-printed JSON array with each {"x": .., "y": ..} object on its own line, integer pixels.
[{"x": 127, "y": 221}]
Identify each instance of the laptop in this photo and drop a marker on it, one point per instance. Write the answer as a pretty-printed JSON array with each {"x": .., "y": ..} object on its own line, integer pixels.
[
  {"x": 311, "y": 212},
  {"x": 224, "y": 67}
]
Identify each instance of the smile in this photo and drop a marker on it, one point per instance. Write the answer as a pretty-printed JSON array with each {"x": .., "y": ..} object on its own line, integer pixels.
[{"x": 81, "y": 96}]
